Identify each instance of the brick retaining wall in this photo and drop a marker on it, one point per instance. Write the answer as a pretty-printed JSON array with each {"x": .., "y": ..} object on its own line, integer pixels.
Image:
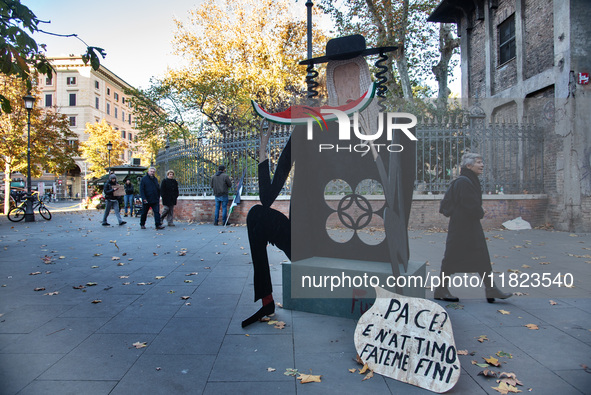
[{"x": 424, "y": 213}]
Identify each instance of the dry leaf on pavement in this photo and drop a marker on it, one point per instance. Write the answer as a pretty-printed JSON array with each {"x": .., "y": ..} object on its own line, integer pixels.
[
  {"x": 359, "y": 360},
  {"x": 532, "y": 326},
  {"x": 364, "y": 369},
  {"x": 504, "y": 312},
  {"x": 368, "y": 376},
  {"x": 488, "y": 373},
  {"x": 309, "y": 378},
  {"x": 291, "y": 372},
  {"x": 140, "y": 344},
  {"x": 492, "y": 361},
  {"x": 482, "y": 338},
  {"x": 271, "y": 369},
  {"x": 505, "y": 388},
  {"x": 280, "y": 325}
]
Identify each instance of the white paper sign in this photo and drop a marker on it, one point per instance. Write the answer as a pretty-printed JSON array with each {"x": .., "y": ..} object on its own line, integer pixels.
[{"x": 410, "y": 340}]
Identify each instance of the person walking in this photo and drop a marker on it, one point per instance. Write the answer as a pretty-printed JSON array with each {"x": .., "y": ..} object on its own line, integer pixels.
[
  {"x": 169, "y": 190},
  {"x": 465, "y": 248},
  {"x": 220, "y": 183},
  {"x": 111, "y": 200},
  {"x": 128, "y": 198},
  {"x": 150, "y": 193}
]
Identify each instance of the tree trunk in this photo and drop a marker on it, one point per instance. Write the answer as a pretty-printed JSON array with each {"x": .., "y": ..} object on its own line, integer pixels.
[
  {"x": 447, "y": 44},
  {"x": 401, "y": 61},
  {"x": 402, "y": 66}
]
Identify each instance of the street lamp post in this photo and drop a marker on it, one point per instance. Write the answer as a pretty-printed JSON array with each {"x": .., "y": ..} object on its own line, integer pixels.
[
  {"x": 29, "y": 213},
  {"x": 109, "y": 148},
  {"x": 166, "y": 147}
]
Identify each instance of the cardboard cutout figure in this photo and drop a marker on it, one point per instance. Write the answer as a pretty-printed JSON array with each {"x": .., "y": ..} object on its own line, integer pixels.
[{"x": 350, "y": 90}]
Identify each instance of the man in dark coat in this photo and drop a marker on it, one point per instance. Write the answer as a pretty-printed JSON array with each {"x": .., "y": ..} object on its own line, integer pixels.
[
  {"x": 465, "y": 248},
  {"x": 169, "y": 190},
  {"x": 220, "y": 183},
  {"x": 150, "y": 193}
]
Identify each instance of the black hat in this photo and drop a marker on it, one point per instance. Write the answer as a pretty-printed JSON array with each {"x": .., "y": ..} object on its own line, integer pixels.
[
  {"x": 112, "y": 176},
  {"x": 347, "y": 47},
  {"x": 221, "y": 168}
]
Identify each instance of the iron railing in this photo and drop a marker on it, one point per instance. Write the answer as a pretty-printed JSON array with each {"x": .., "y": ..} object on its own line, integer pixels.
[{"x": 513, "y": 156}]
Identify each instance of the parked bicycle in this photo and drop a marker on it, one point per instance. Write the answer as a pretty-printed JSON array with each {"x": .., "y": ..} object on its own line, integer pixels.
[{"x": 18, "y": 213}]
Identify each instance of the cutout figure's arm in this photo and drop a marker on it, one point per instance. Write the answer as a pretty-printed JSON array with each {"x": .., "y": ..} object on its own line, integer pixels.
[{"x": 270, "y": 189}]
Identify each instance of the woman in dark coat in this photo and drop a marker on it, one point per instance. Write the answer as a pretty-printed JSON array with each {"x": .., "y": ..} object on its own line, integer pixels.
[
  {"x": 465, "y": 248},
  {"x": 169, "y": 190}
]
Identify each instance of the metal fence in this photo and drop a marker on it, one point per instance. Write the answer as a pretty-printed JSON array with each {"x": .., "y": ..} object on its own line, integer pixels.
[{"x": 513, "y": 156}]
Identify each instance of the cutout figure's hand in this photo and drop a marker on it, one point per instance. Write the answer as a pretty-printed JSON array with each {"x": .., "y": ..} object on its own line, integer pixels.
[{"x": 265, "y": 135}]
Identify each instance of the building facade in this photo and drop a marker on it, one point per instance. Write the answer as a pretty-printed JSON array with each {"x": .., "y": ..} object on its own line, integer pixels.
[
  {"x": 529, "y": 60},
  {"x": 85, "y": 96}
]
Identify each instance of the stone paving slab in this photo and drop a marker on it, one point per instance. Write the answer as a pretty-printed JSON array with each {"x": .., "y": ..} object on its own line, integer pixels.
[{"x": 63, "y": 343}]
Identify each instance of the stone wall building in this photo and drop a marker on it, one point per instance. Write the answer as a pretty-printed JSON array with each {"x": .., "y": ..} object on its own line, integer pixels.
[{"x": 529, "y": 60}]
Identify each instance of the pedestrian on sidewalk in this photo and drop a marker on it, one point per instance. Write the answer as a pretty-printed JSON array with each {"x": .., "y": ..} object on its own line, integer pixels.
[
  {"x": 111, "y": 201},
  {"x": 150, "y": 193},
  {"x": 220, "y": 183},
  {"x": 128, "y": 198},
  {"x": 169, "y": 190},
  {"x": 465, "y": 248}
]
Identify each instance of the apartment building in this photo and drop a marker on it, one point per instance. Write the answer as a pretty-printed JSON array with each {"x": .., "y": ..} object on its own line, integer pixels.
[{"x": 85, "y": 96}]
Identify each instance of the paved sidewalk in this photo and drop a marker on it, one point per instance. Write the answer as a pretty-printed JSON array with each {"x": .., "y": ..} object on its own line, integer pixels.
[{"x": 56, "y": 341}]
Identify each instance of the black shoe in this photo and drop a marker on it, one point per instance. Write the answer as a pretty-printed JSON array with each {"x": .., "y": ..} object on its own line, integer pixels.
[
  {"x": 215, "y": 224},
  {"x": 125, "y": 215},
  {"x": 267, "y": 309},
  {"x": 442, "y": 293},
  {"x": 160, "y": 227},
  {"x": 106, "y": 224},
  {"x": 143, "y": 227},
  {"x": 494, "y": 292},
  {"x": 122, "y": 222}
]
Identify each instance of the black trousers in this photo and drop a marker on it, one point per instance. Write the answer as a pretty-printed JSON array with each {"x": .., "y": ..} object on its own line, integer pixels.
[
  {"x": 266, "y": 225},
  {"x": 155, "y": 209}
]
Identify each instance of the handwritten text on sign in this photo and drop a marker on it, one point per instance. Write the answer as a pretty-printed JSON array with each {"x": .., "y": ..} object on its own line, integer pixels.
[{"x": 410, "y": 340}]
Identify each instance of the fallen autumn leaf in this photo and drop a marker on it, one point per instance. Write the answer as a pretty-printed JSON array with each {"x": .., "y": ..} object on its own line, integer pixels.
[
  {"x": 309, "y": 378},
  {"x": 140, "y": 344}
]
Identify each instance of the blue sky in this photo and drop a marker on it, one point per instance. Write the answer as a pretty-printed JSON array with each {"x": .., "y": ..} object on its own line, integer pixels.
[{"x": 136, "y": 34}]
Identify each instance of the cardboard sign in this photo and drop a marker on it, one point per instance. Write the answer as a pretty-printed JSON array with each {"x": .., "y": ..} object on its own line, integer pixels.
[
  {"x": 120, "y": 191},
  {"x": 410, "y": 340}
]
